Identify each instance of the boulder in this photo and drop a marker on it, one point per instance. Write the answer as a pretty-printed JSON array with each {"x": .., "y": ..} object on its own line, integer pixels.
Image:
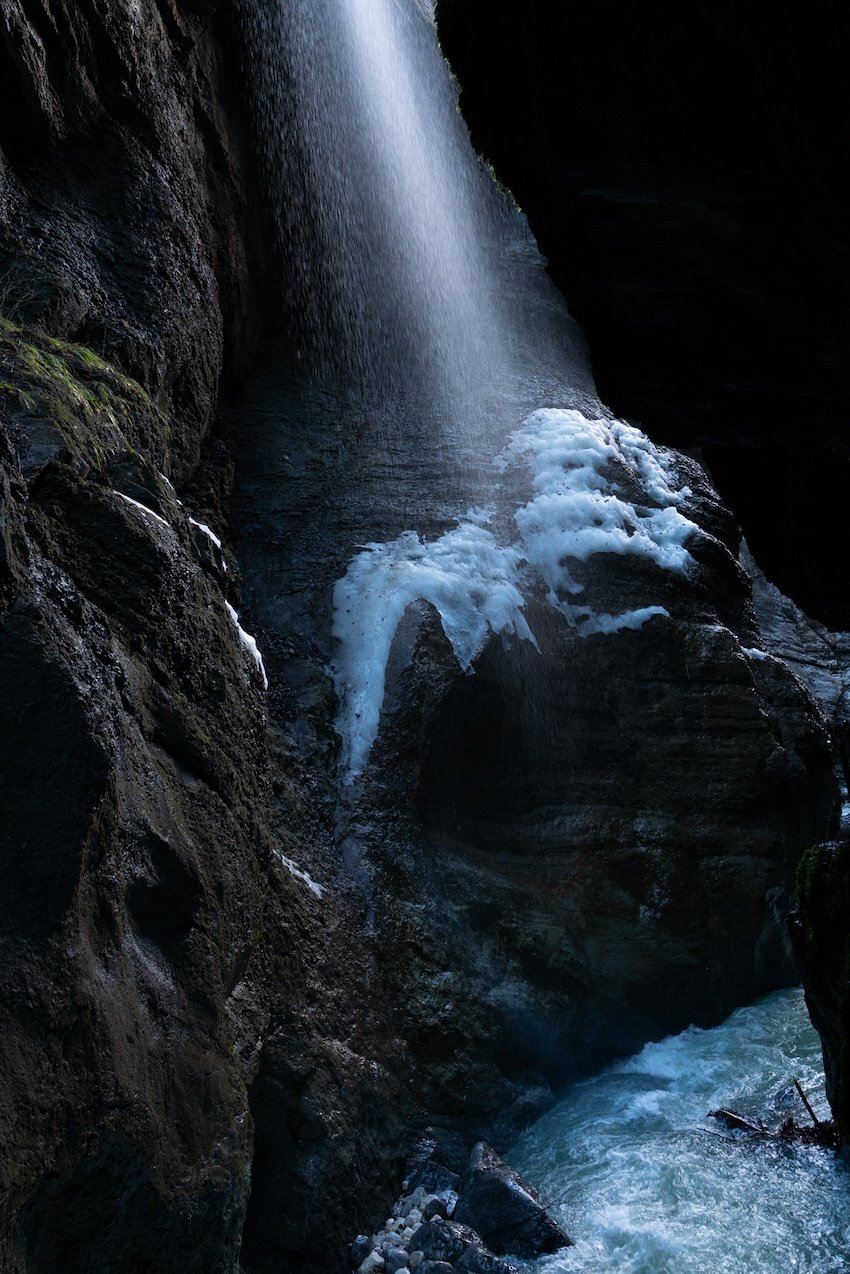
[
  {"x": 459, "y": 1246},
  {"x": 360, "y": 1249},
  {"x": 504, "y": 1209},
  {"x": 395, "y": 1259}
]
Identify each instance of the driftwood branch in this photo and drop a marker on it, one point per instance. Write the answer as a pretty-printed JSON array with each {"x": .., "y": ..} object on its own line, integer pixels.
[
  {"x": 820, "y": 1134},
  {"x": 732, "y": 1119},
  {"x": 804, "y": 1099}
]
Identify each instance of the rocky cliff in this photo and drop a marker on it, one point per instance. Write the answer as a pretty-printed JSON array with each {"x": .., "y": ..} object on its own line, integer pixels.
[
  {"x": 154, "y": 927},
  {"x": 231, "y": 1000},
  {"x": 679, "y": 171}
]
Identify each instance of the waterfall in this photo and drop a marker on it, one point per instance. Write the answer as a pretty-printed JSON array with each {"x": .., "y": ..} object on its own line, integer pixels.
[
  {"x": 399, "y": 249},
  {"x": 385, "y": 213},
  {"x": 423, "y": 311}
]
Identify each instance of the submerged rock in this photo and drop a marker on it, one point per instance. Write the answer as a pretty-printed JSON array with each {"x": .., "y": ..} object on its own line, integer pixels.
[{"x": 504, "y": 1209}]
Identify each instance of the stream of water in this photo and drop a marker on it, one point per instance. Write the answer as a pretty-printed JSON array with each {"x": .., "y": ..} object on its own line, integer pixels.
[{"x": 647, "y": 1184}]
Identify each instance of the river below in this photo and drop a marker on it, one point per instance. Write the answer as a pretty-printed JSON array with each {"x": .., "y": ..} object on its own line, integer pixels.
[{"x": 646, "y": 1183}]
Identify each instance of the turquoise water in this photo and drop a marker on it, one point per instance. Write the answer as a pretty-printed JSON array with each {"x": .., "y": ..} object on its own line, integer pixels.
[{"x": 647, "y": 1184}]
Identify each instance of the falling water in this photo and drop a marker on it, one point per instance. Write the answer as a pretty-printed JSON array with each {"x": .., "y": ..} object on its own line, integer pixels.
[
  {"x": 424, "y": 327},
  {"x": 400, "y": 250}
]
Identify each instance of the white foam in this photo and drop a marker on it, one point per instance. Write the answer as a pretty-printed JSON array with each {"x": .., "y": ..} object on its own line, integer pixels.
[{"x": 644, "y": 1181}]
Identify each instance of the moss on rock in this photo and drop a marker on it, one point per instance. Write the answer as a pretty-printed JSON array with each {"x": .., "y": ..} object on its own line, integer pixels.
[{"x": 92, "y": 409}]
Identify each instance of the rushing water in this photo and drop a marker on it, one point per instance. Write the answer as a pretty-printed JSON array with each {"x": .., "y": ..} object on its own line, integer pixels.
[
  {"x": 411, "y": 278},
  {"x": 649, "y": 1185}
]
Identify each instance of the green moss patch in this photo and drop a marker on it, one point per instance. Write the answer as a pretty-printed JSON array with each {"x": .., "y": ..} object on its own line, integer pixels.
[{"x": 96, "y": 409}]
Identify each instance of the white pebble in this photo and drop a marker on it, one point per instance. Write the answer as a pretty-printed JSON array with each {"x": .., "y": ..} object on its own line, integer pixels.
[{"x": 374, "y": 1262}]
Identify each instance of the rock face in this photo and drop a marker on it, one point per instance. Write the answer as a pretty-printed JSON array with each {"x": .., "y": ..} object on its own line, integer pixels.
[
  {"x": 161, "y": 944},
  {"x": 691, "y": 213},
  {"x": 504, "y": 1209},
  {"x": 134, "y": 770},
  {"x": 125, "y": 182},
  {"x": 820, "y": 936}
]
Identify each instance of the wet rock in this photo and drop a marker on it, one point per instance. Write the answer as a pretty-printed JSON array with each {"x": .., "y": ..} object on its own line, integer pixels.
[
  {"x": 434, "y": 1206},
  {"x": 821, "y": 936},
  {"x": 396, "y": 1259},
  {"x": 430, "y": 1177},
  {"x": 504, "y": 1209},
  {"x": 459, "y": 1246},
  {"x": 360, "y": 1249},
  {"x": 436, "y": 1267}
]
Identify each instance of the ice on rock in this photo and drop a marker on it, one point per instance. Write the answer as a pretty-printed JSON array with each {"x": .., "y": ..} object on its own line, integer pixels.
[
  {"x": 249, "y": 643},
  {"x": 143, "y": 508},
  {"x": 207, "y": 531},
  {"x": 576, "y": 511},
  {"x": 479, "y": 586},
  {"x": 299, "y": 873},
  {"x": 466, "y": 575}
]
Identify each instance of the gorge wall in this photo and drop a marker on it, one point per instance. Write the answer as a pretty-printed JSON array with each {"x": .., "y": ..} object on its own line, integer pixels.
[
  {"x": 148, "y": 906},
  {"x": 230, "y": 1003},
  {"x": 680, "y": 172}
]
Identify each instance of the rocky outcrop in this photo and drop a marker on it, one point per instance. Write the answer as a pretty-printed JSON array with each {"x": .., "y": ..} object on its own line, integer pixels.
[
  {"x": 692, "y": 214},
  {"x": 127, "y": 218},
  {"x": 179, "y": 1049},
  {"x": 504, "y": 1209},
  {"x": 820, "y": 935},
  {"x": 611, "y": 814},
  {"x": 134, "y": 854}
]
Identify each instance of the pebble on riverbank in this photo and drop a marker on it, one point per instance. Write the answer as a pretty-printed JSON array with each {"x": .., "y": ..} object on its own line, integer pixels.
[{"x": 422, "y": 1234}]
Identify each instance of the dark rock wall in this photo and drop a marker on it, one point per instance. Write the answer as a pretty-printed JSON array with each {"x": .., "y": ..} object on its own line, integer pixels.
[
  {"x": 682, "y": 171},
  {"x": 822, "y": 942},
  {"x": 125, "y": 180},
  {"x": 173, "y": 998}
]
